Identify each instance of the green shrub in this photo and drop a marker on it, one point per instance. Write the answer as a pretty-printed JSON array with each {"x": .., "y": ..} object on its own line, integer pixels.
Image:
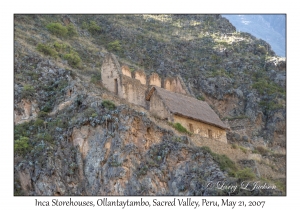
[
  {"x": 263, "y": 86},
  {"x": 92, "y": 27},
  {"x": 71, "y": 31},
  {"x": 270, "y": 105},
  {"x": 42, "y": 114},
  {"x": 108, "y": 104},
  {"x": 57, "y": 29},
  {"x": 22, "y": 130},
  {"x": 280, "y": 184},
  {"x": 21, "y": 145},
  {"x": 96, "y": 78},
  {"x": 245, "y": 174},
  {"x": 219, "y": 72},
  {"x": 89, "y": 112},
  {"x": 33, "y": 75},
  {"x": 47, "y": 108},
  {"x": 224, "y": 162},
  {"x": 206, "y": 149},
  {"x": 39, "y": 122},
  {"x": 61, "y": 47},
  {"x": 201, "y": 98},
  {"x": 27, "y": 91},
  {"x": 47, "y": 49},
  {"x": 114, "y": 46},
  {"x": 73, "y": 59},
  {"x": 234, "y": 146},
  {"x": 261, "y": 49},
  {"x": 45, "y": 136}
]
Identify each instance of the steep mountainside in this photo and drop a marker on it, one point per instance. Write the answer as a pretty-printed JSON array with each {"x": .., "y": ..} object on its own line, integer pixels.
[
  {"x": 73, "y": 137},
  {"x": 269, "y": 27}
]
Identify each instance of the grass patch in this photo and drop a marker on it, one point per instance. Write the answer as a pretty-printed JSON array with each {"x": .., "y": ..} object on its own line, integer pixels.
[
  {"x": 95, "y": 78},
  {"x": 245, "y": 174},
  {"x": 108, "y": 104},
  {"x": 219, "y": 72},
  {"x": 244, "y": 150},
  {"x": 268, "y": 87},
  {"x": 270, "y": 105},
  {"x": 262, "y": 150},
  {"x": 180, "y": 128},
  {"x": 225, "y": 163}
]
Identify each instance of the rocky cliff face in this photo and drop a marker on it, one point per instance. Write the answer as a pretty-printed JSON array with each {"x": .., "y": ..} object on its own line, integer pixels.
[{"x": 73, "y": 137}]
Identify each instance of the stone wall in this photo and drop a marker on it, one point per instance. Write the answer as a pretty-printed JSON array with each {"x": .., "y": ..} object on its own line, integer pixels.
[
  {"x": 203, "y": 129},
  {"x": 111, "y": 75},
  {"x": 126, "y": 71},
  {"x": 174, "y": 85},
  {"x": 119, "y": 81},
  {"x": 154, "y": 79},
  {"x": 157, "y": 107},
  {"x": 141, "y": 76},
  {"x": 133, "y": 91}
]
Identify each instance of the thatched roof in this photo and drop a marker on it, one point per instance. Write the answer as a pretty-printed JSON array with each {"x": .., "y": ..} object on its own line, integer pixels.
[{"x": 187, "y": 106}]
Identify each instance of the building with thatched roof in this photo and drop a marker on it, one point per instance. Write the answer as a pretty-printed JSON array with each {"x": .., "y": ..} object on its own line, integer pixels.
[
  {"x": 191, "y": 113},
  {"x": 133, "y": 86},
  {"x": 172, "y": 101}
]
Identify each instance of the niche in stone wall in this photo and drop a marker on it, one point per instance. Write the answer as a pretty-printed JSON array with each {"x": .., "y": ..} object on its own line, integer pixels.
[
  {"x": 141, "y": 76},
  {"x": 155, "y": 80},
  {"x": 126, "y": 70}
]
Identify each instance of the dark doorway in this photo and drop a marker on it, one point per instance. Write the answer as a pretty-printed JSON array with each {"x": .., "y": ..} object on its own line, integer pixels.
[
  {"x": 191, "y": 128},
  {"x": 209, "y": 134},
  {"x": 116, "y": 86}
]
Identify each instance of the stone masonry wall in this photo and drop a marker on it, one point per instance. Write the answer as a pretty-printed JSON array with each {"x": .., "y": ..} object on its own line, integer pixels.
[
  {"x": 141, "y": 76},
  {"x": 157, "y": 108},
  {"x": 202, "y": 128},
  {"x": 111, "y": 75},
  {"x": 154, "y": 79},
  {"x": 174, "y": 85},
  {"x": 133, "y": 91},
  {"x": 126, "y": 71}
]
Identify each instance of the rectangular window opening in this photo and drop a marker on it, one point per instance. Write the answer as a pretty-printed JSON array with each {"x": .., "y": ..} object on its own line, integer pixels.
[
  {"x": 209, "y": 133},
  {"x": 191, "y": 128},
  {"x": 116, "y": 86}
]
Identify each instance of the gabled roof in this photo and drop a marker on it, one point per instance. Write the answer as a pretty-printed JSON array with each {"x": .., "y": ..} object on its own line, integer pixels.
[{"x": 187, "y": 106}]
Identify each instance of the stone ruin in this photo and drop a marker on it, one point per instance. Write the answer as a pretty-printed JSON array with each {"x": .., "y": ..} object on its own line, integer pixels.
[
  {"x": 133, "y": 86},
  {"x": 168, "y": 98}
]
